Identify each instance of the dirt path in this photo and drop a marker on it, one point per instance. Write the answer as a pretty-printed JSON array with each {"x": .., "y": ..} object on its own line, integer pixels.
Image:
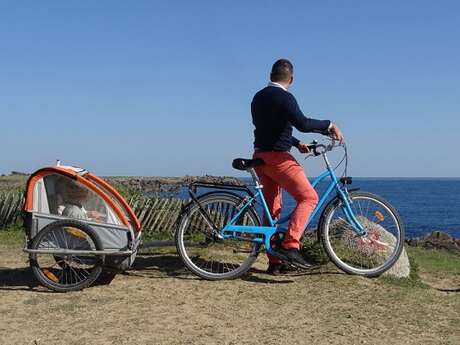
[{"x": 159, "y": 303}]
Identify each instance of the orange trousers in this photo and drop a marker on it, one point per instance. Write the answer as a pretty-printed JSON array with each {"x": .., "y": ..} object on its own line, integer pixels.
[{"x": 282, "y": 171}]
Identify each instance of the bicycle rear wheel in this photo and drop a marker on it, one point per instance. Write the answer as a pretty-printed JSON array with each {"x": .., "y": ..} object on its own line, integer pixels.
[
  {"x": 202, "y": 251},
  {"x": 370, "y": 254}
]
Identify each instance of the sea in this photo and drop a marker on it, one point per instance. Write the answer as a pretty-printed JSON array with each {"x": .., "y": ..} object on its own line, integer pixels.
[{"x": 424, "y": 204}]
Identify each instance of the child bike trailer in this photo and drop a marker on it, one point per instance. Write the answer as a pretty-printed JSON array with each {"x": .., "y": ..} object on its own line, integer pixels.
[{"x": 77, "y": 226}]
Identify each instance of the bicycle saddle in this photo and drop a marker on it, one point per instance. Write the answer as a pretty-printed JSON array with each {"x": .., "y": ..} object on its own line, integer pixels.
[{"x": 246, "y": 164}]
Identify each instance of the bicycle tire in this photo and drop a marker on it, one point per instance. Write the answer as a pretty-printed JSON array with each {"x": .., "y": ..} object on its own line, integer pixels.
[
  {"x": 58, "y": 278},
  {"x": 227, "y": 201},
  {"x": 380, "y": 244}
]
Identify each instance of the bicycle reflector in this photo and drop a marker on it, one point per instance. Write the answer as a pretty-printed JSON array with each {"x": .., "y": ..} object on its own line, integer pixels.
[
  {"x": 50, "y": 275},
  {"x": 379, "y": 216},
  {"x": 76, "y": 233}
]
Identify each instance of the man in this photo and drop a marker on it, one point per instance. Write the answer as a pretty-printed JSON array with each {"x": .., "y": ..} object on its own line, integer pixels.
[{"x": 274, "y": 112}]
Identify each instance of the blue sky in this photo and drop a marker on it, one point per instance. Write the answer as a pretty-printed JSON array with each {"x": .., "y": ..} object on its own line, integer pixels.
[{"x": 164, "y": 88}]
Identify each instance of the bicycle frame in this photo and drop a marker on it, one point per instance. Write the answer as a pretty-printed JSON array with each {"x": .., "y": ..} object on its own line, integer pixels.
[{"x": 233, "y": 231}]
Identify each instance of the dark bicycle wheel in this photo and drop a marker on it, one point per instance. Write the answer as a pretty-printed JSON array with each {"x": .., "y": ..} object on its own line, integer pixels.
[
  {"x": 200, "y": 248},
  {"x": 370, "y": 254},
  {"x": 66, "y": 272}
]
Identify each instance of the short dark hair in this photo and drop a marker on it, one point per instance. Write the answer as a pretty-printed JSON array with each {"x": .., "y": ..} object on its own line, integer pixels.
[{"x": 282, "y": 70}]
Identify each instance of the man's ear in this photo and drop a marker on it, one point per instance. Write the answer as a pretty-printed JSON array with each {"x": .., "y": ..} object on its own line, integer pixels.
[{"x": 292, "y": 79}]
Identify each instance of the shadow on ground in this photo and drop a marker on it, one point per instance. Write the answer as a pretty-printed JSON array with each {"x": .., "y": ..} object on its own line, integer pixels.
[
  {"x": 159, "y": 266},
  {"x": 17, "y": 279},
  {"x": 170, "y": 265},
  {"x": 151, "y": 266},
  {"x": 23, "y": 279},
  {"x": 148, "y": 266}
]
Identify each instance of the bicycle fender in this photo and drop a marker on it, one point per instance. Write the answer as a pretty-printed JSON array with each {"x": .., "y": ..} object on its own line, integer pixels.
[{"x": 186, "y": 207}]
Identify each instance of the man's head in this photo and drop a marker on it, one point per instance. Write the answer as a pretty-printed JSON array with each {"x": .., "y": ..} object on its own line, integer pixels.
[{"x": 282, "y": 72}]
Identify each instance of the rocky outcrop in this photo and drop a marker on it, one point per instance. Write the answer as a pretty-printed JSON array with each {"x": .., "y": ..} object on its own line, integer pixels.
[
  {"x": 166, "y": 184},
  {"x": 437, "y": 240},
  {"x": 18, "y": 173}
]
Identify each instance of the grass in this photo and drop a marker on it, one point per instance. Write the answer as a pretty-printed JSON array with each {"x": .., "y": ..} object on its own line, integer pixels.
[
  {"x": 414, "y": 279},
  {"x": 12, "y": 183},
  {"x": 313, "y": 251},
  {"x": 426, "y": 262},
  {"x": 12, "y": 235},
  {"x": 436, "y": 261}
]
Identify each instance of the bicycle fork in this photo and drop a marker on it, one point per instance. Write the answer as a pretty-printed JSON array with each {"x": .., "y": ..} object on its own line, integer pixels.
[{"x": 345, "y": 203}]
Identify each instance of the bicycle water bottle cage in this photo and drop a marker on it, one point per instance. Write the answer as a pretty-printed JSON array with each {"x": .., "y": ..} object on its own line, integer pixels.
[{"x": 246, "y": 164}]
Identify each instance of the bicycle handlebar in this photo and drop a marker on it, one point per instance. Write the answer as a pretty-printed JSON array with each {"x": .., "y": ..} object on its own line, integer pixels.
[
  {"x": 317, "y": 149},
  {"x": 314, "y": 146}
]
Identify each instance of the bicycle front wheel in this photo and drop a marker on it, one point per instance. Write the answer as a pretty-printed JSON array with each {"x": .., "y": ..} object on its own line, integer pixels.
[
  {"x": 370, "y": 254},
  {"x": 202, "y": 251}
]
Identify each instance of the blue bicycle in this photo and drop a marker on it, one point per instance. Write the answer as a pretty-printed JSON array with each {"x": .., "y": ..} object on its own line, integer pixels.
[{"x": 219, "y": 233}]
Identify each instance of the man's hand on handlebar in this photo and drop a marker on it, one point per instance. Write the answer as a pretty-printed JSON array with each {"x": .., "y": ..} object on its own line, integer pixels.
[
  {"x": 336, "y": 133},
  {"x": 303, "y": 148}
]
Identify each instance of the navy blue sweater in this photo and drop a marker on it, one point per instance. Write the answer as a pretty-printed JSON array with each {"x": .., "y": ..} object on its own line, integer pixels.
[{"x": 274, "y": 113}]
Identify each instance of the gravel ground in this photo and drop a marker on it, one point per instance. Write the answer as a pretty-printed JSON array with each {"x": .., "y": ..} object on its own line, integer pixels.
[{"x": 158, "y": 302}]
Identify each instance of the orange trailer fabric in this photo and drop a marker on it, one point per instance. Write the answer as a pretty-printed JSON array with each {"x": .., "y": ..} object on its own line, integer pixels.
[
  {"x": 90, "y": 181},
  {"x": 118, "y": 197}
]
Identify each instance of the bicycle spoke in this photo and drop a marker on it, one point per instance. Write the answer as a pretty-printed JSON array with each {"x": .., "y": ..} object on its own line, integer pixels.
[
  {"x": 64, "y": 272},
  {"x": 213, "y": 256},
  {"x": 367, "y": 252}
]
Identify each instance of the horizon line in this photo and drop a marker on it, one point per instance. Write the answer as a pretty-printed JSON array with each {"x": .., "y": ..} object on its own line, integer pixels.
[{"x": 246, "y": 176}]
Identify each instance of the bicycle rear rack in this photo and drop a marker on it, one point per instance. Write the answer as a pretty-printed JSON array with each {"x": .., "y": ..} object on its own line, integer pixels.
[{"x": 223, "y": 186}]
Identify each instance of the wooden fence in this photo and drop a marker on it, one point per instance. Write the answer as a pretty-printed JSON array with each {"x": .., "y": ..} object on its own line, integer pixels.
[
  {"x": 156, "y": 214},
  {"x": 10, "y": 208}
]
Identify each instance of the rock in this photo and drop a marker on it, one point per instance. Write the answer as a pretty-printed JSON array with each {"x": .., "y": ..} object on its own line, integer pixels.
[
  {"x": 375, "y": 247},
  {"x": 440, "y": 240},
  {"x": 401, "y": 268},
  {"x": 437, "y": 240},
  {"x": 18, "y": 173}
]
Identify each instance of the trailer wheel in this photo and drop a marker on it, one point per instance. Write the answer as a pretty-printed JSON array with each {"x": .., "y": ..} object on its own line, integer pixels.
[{"x": 66, "y": 272}]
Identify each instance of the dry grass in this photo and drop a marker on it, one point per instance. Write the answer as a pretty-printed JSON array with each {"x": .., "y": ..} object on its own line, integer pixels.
[
  {"x": 13, "y": 182},
  {"x": 158, "y": 302}
]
